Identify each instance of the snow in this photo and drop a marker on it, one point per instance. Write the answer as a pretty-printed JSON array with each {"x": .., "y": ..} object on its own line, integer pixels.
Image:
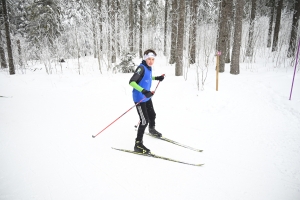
[{"x": 249, "y": 131}]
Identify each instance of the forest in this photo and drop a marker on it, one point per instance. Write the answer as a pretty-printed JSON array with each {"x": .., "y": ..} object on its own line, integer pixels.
[
  {"x": 231, "y": 89},
  {"x": 187, "y": 32}
]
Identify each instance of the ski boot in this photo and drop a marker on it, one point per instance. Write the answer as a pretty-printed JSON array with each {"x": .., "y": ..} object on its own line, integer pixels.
[
  {"x": 154, "y": 132},
  {"x": 140, "y": 148}
]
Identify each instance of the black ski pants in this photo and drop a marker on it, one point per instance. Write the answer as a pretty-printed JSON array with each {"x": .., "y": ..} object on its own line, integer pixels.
[{"x": 147, "y": 116}]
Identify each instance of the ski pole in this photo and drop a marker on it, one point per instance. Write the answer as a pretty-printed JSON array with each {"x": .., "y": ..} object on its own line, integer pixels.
[
  {"x": 295, "y": 70},
  {"x": 158, "y": 83},
  {"x": 119, "y": 117},
  {"x": 93, "y": 136}
]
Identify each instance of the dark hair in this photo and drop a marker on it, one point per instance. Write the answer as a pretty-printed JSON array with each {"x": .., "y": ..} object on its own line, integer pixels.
[{"x": 149, "y": 51}]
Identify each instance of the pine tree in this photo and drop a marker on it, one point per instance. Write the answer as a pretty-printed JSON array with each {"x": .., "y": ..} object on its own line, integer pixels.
[{"x": 44, "y": 23}]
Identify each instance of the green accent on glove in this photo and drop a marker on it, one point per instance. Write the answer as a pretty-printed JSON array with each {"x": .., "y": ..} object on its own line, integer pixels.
[{"x": 136, "y": 86}]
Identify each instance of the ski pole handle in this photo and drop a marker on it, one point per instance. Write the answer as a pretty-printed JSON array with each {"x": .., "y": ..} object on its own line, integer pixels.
[{"x": 158, "y": 83}]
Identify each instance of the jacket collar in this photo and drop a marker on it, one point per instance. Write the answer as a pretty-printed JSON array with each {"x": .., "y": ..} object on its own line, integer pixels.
[{"x": 145, "y": 64}]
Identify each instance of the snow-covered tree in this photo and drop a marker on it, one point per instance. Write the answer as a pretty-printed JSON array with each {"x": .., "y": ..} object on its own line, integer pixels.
[{"x": 44, "y": 24}]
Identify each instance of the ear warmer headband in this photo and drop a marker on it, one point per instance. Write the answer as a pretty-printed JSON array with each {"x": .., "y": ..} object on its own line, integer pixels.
[{"x": 149, "y": 55}]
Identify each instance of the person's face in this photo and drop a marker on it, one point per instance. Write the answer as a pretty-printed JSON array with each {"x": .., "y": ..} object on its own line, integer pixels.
[{"x": 150, "y": 61}]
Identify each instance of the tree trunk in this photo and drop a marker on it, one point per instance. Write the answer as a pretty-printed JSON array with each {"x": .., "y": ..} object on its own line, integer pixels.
[
  {"x": 100, "y": 27},
  {"x": 174, "y": 32},
  {"x": 141, "y": 29},
  {"x": 250, "y": 46},
  {"x": 131, "y": 26},
  {"x": 227, "y": 59},
  {"x": 179, "y": 52},
  {"x": 230, "y": 22},
  {"x": 78, "y": 49},
  {"x": 108, "y": 28},
  {"x": 94, "y": 38},
  {"x": 2, "y": 54},
  {"x": 166, "y": 28},
  {"x": 271, "y": 20},
  {"x": 277, "y": 25},
  {"x": 8, "y": 40},
  {"x": 118, "y": 28},
  {"x": 193, "y": 29},
  {"x": 20, "y": 53},
  {"x": 238, "y": 28},
  {"x": 226, "y": 7},
  {"x": 113, "y": 32},
  {"x": 293, "y": 38}
]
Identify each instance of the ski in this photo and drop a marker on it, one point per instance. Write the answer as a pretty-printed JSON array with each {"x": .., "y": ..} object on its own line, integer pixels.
[
  {"x": 157, "y": 156},
  {"x": 174, "y": 142}
]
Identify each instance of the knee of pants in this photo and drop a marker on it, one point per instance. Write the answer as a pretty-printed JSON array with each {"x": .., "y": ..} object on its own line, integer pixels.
[
  {"x": 144, "y": 124},
  {"x": 153, "y": 116},
  {"x": 144, "y": 121}
]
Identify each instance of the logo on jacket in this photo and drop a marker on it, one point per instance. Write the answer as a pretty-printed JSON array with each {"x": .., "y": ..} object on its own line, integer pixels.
[{"x": 139, "y": 71}]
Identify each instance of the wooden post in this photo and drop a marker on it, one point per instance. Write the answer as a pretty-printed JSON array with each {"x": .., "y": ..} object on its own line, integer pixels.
[{"x": 217, "y": 70}]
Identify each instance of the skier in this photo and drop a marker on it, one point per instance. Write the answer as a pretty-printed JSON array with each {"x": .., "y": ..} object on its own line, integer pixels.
[{"x": 141, "y": 82}]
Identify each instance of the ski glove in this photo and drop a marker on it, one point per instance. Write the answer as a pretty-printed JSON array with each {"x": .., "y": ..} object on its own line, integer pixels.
[
  {"x": 147, "y": 93},
  {"x": 160, "y": 78}
]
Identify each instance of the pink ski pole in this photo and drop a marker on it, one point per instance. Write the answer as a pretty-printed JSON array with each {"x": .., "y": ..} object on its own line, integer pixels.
[{"x": 93, "y": 136}]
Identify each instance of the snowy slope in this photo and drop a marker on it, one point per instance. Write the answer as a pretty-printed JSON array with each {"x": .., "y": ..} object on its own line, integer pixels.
[{"x": 249, "y": 132}]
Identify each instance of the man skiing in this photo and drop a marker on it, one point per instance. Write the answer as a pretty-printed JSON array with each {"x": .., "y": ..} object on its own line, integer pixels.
[{"x": 141, "y": 82}]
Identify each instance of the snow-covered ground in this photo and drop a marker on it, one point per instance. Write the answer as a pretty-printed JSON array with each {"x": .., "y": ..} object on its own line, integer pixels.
[{"x": 249, "y": 131}]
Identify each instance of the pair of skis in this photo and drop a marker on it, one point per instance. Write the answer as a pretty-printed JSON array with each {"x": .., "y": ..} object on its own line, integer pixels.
[{"x": 161, "y": 157}]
